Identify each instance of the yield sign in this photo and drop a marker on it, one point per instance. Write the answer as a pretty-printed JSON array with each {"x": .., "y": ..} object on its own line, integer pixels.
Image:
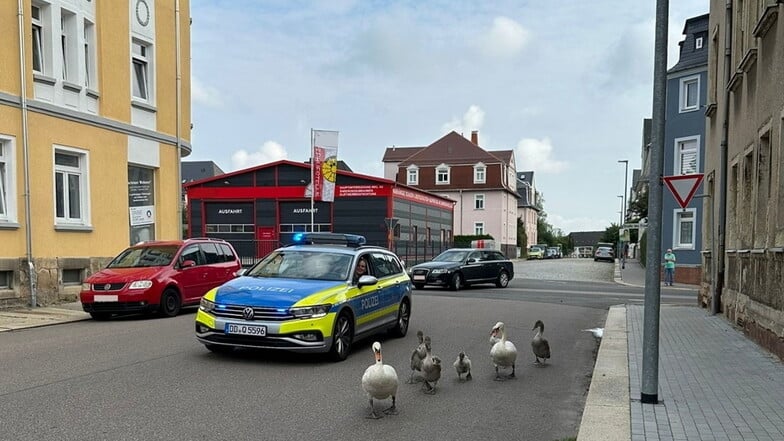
[{"x": 683, "y": 187}]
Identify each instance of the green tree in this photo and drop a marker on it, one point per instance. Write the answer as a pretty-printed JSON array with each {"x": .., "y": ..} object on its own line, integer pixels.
[
  {"x": 638, "y": 208},
  {"x": 611, "y": 234}
]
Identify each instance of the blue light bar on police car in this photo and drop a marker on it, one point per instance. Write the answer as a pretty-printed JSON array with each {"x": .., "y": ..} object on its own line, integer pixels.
[{"x": 353, "y": 240}]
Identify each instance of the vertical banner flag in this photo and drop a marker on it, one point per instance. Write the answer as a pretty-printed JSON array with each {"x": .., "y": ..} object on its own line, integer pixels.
[{"x": 324, "y": 164}]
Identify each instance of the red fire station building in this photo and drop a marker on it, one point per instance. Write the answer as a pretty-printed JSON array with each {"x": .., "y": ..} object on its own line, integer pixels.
[{"x": 260, "y": 208}]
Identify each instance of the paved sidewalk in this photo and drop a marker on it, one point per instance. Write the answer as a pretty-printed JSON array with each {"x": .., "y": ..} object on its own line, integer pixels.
[
  {"x": 714, "y": 383},
  {"x": 633, "y": 274},
  {"x": 20, "y": 318}
]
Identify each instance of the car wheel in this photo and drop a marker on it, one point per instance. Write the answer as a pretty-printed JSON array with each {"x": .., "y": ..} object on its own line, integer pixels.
[
  {"x": 342, "y": 337},
  {"x": 100, "y": 315},
  {"x": 457, "y": 282},
  {"x": 170, "y": 303},
  {"x": 503, "y": 280},
  {"x": 419, "y": 285},
  {"x": 219, "y": 349},
  {"x": 403, "y": 316}
]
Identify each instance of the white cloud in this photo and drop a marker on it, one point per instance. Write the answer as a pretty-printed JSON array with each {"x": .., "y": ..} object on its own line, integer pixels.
[
  {"x": 473, "y": 119},
  {"x": 270, "y": 151},
  {"x": 536, "y": 155},
  {"x": 506, "y": 38},
  {"x": 203, "y": 94}
]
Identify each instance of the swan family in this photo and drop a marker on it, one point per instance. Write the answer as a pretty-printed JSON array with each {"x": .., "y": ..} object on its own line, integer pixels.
[{"x": 380, "y": 380}]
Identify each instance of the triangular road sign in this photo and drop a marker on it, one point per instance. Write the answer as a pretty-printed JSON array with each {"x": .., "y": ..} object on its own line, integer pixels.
[{"x": 683, "y": 187}]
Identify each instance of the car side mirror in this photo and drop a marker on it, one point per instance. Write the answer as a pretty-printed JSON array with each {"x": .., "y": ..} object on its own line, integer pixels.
[
  {"x": 187, "y": 263},
  {"x": 366, "y": 280},
  {"x": 471, "y": 260}
]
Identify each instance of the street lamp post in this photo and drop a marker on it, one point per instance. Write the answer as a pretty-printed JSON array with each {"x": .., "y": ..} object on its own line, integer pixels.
[
  {"x": 625, "y": 185},
  {"x": 620, "y": 227}
]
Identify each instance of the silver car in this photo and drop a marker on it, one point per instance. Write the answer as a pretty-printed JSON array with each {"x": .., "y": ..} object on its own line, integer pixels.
[{"x": 604, "y": 253}]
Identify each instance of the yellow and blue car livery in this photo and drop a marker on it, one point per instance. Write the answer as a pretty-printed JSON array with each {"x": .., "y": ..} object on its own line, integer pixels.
[{"x": 302, "y": 312}]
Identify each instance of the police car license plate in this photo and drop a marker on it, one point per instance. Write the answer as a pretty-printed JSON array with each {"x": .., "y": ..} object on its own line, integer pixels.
[
  {"x": 256, "y": 330},
  {"x": 416, "y": 277}
]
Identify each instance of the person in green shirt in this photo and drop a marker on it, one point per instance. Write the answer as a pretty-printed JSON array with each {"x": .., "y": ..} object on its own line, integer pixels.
[{"x": 669, "y": 267}]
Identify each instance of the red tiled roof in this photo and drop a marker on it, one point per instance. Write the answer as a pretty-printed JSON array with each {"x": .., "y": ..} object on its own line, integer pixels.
[{"x": 452, "y": 148}]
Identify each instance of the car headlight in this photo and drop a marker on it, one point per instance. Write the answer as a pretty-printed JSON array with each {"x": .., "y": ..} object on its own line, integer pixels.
[
  {"x": 310, "y": 311},
  {"x": 206, "y": 305},
  {"x": 141, "y": 284},
  {"x": 439, "y": 271},
  {"x": 86, "y": 286}
]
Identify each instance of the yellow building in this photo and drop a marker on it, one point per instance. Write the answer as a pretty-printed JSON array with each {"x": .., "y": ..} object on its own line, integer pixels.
[{"x": 94, "y": 117}]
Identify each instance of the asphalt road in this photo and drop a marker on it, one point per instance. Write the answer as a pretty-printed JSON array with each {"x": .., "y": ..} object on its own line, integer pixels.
[{"x": 149, "y": 379}]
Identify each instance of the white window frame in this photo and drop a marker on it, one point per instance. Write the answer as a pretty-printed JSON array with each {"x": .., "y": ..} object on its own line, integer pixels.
[
  {"x": 7, "y": 179},
  {"x": 38, "y": 38},
  {"x": 83, "y": 172},
  {"x": 677, "y": 220},
  {"x": 88, "y": 44},
  {"x": 698, "y": 43},
  {"x": 144, "y": 59},
  {"x": 479, "y": 202},
  {"x": 442, "y": 174},
  {"x": 684, "y": 106},
  {"x": 480, "y": 173},
  {"x": 680, "y": 143},
  {"x": 479, "y": 228},
  {"x": 412, "y": 175}
]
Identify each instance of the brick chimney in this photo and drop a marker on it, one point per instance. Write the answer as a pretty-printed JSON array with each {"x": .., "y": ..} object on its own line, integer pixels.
[{"x": 475, "y": 136}]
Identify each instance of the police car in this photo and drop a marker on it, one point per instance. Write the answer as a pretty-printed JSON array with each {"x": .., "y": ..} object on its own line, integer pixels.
[{"x": 305, "y": 297}]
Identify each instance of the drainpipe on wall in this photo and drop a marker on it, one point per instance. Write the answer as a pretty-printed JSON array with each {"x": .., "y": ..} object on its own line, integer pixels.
[
  {"x": 26, "y": 150},
  {"x": 178, "y": 94},
  {"x": 722, "y": 243},
  {"x": 460, "y": 191}
]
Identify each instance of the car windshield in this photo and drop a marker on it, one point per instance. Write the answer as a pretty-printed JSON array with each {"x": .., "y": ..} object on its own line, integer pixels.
[
  {"x": 605, "y": 249},
  {"x": 297, "y": 264},
  {"x": 451, "y": 256},
  {"x": 138, "y": 257}
]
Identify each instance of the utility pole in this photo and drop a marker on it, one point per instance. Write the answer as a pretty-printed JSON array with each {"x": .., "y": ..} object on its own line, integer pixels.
[
  {"x": 649, "y": 392},
  {"x": 625, "y": 186}
]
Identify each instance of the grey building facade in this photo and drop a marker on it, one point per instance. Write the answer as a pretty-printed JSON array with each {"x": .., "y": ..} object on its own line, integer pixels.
[
  {"x": 684, "y": 147},
  {"x": 743, "y": 266}
]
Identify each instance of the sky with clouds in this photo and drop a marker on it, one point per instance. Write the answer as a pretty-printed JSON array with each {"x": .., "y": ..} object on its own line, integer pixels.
[{"x": 566, "y": 85}]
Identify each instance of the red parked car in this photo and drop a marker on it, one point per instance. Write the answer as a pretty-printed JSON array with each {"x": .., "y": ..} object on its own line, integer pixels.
[{"x": 159, "y": 276}]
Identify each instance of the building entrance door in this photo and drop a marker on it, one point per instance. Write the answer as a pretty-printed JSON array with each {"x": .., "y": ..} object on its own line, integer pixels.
[{"x": 266, "y": 240}]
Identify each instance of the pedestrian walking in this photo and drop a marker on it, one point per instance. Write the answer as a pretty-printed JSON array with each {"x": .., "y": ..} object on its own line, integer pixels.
[{"x": 669, "y": 267}]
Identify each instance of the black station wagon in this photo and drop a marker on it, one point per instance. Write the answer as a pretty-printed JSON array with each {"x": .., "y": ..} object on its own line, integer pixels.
[{"x": 457, "y": 268}]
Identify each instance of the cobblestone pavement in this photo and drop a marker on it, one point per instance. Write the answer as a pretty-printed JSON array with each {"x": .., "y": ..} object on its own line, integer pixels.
[
  {"x": 565, "y": 269},
  {"x": 714, "y": 383}
]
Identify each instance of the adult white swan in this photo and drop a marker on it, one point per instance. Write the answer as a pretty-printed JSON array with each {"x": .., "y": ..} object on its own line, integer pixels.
[
  {"x": 504, "y": 352},
  {"x": 380, "y": 382}
]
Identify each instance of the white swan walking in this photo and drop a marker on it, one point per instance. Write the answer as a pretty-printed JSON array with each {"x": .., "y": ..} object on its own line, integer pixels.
[
  {"x": 380, "y": 382},
  {"x": 504, "y": 352}
]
